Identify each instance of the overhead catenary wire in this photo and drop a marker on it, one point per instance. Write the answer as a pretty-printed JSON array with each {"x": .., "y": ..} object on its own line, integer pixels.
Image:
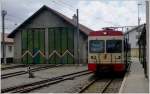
[
  {"x": 62, "y": 4},
  {"x": 67, "y": 6},
  {"x": 18, "y": 17}
]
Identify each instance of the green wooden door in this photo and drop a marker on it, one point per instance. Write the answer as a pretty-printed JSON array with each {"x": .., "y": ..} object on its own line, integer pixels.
[
  {"x": 61, "y": 45},
  {"x": 61, "y": 42},
  {"x": 33, "y": 42}
]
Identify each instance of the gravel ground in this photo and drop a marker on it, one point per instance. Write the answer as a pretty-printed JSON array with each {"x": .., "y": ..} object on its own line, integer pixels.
[
  {"x": 16, "y": 69},
  {"x": 8, "y": 65},
  {"x": 59, "y": 71},
  {"x": 40, "y": 75},
  {"x": 13, "y": 70},
  {"x": 96, "y": 87},
  {"x": 68, "y": 86},
  {"x": 19, "y": 69}
]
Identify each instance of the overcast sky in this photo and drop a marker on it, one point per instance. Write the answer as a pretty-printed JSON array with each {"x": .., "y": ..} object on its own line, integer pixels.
[{"x": 94, "y": 14}]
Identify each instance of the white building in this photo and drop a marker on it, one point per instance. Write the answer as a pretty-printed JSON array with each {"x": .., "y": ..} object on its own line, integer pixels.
[
  {"x": 132, "y": 36},
  {"x": 9, "y": 49}
]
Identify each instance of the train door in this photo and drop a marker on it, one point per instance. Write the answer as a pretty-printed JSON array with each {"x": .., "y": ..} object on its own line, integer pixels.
[
  {"x": 105, "y": 58},
  {"x": 127, "y": 54}
]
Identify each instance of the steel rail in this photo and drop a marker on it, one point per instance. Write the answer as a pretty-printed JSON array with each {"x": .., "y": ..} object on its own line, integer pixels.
[
  {"x": 12, "y": 67},
  {"x": 94, "y": 81},
  {"x": 32, "y": 86},
  {"x": 4, "y": 76},
  {"x": 106, "y": 85},
  {"x": 86, "y": 86}
]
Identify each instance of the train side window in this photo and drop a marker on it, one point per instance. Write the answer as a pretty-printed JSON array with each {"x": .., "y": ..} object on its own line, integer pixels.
[{"x": 97, "y": 46}]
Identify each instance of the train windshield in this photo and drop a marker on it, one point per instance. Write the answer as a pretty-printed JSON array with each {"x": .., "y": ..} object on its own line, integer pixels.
[
  {"x": 113, "y": 46},
  {"x": 97, "y": 46}
]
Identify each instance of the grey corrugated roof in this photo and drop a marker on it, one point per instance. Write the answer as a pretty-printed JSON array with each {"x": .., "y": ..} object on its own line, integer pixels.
[
  {"x": 134, "y": 28},
  {"x": 7, "y": 40},
  {"x": 82, "y": 28}
]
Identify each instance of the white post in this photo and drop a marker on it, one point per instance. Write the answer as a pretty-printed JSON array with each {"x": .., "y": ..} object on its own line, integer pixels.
[{"x": 147, "y": 35}]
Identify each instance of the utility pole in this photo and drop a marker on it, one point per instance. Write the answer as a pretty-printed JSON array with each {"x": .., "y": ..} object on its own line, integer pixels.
[
  {"x": 139, "y": 14},
  {"x": 3, "y": 35},
  {"x": 138, "y": 29},
  {"x": 78, "y": 36},
  {"x": 139, "y": 18},
  {"x": 147, "y": 36}
]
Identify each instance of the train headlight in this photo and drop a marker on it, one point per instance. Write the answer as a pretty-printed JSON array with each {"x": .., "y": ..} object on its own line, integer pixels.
[
  {"x": 105, "y": 33},
  {"x": 93, "y": 57}
]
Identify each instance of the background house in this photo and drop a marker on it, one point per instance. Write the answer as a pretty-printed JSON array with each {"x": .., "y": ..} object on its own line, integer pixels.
[
  {"x": 132, "y": 35},
  {"x": 9, "y": 49}
]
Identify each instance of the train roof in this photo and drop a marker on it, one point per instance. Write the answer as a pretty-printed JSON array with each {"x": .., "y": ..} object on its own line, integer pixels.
[{"x": 106, "y": 33}]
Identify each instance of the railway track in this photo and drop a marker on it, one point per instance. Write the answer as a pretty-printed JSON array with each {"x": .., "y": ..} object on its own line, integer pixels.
[
  {"x": 98, "y": 86},
  {"x": 39, "y": 84},
  {"x": 4, "y": 76},
  {"x": 12, "y": 67}
]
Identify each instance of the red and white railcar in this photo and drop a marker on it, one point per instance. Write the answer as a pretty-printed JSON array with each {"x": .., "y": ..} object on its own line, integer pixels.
[{"x": 106, "y": 51}]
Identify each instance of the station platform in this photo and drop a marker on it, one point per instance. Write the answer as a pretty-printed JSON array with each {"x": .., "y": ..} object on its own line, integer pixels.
[{"x": 135, "y": 81}]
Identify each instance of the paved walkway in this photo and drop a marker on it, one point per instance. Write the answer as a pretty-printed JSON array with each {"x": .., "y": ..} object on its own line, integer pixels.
[{"x": 135, "y": 81}]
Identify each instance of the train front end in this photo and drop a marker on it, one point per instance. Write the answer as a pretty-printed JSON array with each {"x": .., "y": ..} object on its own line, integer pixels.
[{"x": 106, "y": 52}]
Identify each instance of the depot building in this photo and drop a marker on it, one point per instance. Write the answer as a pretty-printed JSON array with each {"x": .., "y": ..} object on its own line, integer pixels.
[{"x": 49, "y": 37}]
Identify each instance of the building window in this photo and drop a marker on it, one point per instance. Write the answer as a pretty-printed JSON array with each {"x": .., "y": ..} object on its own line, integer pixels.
[{"x": 10, "y": 48}]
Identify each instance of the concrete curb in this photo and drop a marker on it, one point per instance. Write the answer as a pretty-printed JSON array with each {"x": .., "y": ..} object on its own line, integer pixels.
[{"x": 123, "y": 82}]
